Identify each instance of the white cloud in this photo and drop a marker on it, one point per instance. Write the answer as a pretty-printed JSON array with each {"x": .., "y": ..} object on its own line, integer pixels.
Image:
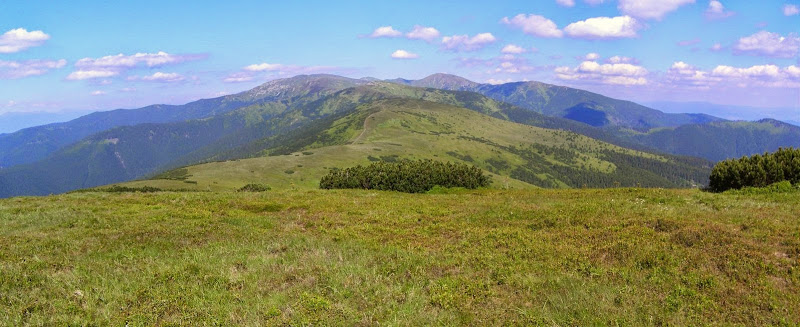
[
  {"x": 534, "y": 25},
  {"x": 604, "y": 28},
  {"x": 716, "y": 47},
  {"x": 650, "y": 9},
  {"x": 127, "y": 89},
  {"x": 682, "y": 74},
  {"x": 423, "y": 33},
  {"x": 96, "y": 93},
  {"x": 161, "y": 77},
  {"x": 716, "y": 10},
  {"x": 594, "y": 2},
  {"x": 513, "y": 49},
  {"x": 20, "y": 69},
  {"x": 769, "y": 44},
  {"x": 20, "y": 39},
  {"x": 790, "y": 10},
  {"x": 113, "y": 65},
  {"x": 238, "y": 78},
  {"x": 139, "y": 59},
  {"x": 621, "y": 60},
  {"x": 466, "y": 43},
  {"x": 613, "y": 74},
  {"x": 385, "y": 31},
  {"x": 403, "y": 54},
  {"x": 263, "y": 67},
  {"x": 592, "y": 56},
  {"x": 90, "y": 74},
  {"x": 498, "y": 81},
  {"x": 566, "y": 3}
]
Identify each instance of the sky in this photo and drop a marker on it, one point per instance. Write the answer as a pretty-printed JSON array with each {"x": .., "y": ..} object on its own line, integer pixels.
[{"x": 58, "y": 56}]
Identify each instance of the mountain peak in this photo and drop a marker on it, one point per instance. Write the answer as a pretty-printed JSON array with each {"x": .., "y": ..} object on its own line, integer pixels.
[
  {"x": 300, "y": 85},
  {"x": 446, "y": 81}
]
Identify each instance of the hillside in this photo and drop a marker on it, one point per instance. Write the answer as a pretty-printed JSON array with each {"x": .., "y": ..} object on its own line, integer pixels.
[
  {"x": 395, "y": 129},
  {"x": 560, "y": 101},
  {"x": 130, "y": 152},
  {"x": 36, "y": 143},
  {"x": 722, "y": 140},
  {"x": 631, "y": 257}
]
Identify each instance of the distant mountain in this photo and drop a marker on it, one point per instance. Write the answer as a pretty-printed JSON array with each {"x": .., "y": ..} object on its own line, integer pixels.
[
  {"x": 36, "y": 143},
  {"x": 390, "y": 129},
  {"x": 129, "y": 152},
  {"x": 729, "y": 112},
  {"x": 722, "y": 140},
  {"x": 560, "y": 101},
  {"x": 13, "y": 121}
]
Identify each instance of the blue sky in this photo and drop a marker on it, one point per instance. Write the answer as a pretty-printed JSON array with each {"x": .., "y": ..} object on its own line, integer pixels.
[{"x": 62, "y": 56}]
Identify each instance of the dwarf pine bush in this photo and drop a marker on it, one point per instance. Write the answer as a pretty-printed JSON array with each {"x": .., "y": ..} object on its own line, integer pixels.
[
  {"x": 410, "y": 176},
  {"x": 756, "y": 171}
]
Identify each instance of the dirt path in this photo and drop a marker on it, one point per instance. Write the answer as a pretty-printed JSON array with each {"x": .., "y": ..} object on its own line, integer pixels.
[{"x": 366, "y": 121}]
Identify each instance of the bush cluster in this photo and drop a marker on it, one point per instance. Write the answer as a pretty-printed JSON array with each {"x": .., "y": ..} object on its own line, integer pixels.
[
  {"x": 411, "y": 176},
  {"x": 756, "y": 171},
  {"x": 254, "y": 188}
]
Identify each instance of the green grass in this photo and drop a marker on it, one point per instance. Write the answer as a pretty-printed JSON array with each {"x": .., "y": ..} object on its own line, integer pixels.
[{"x": 487, "y": 257}]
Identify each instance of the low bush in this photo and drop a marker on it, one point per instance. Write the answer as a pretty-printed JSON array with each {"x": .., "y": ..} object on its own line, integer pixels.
[
  {"x": 405, "y": 176},
  {"x": 756, "y": 171},
  {"x": 254, "y": 188},
  {"x": 125, "y": 189}
]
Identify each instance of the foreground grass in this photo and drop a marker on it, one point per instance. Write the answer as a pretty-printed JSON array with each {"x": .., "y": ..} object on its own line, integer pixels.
[{"x": 549, "y": 257}]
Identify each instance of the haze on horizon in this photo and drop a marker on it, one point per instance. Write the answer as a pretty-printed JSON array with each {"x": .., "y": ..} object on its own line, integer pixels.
[{"x": 107, "y": 56}]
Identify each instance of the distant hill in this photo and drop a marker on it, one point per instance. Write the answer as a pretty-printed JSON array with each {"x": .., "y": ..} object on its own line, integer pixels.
[
  {"x": 36, "y": 143},
  {"x": 729, "y": 112},
  {"x": 392, "y": 129},
  {"x": 129, "y": 152},
  {"x": 560, "y": 101},
  {"x": 723, "y": 140},
  {"x": 14, "y": 121}
]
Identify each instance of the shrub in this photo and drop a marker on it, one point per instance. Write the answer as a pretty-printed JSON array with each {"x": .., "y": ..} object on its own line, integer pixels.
[
  {"x": 756, "y": 171},
  {"x": 254, "y": 188},
  {"x": 125, "y": 189},
  {"x": 405, "y": 176}
]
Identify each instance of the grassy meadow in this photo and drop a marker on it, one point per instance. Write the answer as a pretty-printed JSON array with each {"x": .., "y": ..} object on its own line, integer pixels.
[{"x": 350, "y": 257}]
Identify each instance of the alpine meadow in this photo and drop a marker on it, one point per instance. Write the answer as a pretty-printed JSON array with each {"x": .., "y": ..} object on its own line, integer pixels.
[{"x": 515, "y": 163}]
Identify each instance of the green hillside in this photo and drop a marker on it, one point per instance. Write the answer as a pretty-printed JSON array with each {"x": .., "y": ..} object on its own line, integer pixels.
[
  {"x": 630, "y": 257},
  {"x": 560, "y": 101},
  {"x": 395, "y": 129},
  {"x": 130, "y": 152},
  {"x": 37, "y": 143},
  {"x": 722, "y": 140}
]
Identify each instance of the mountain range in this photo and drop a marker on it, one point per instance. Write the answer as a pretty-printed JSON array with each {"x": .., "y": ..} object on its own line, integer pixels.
[{"x": 627, "y": 143}]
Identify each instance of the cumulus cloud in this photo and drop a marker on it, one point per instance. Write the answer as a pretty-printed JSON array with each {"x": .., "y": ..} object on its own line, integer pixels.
[
  {"x": 513, "y": 49},
  {"x": 79, "y": 75},
  {"x": 20, "y": 69},
  {"x": 769, "y": 44},
  {"x": 682, "y": 74},
  {"x": 263, "y": 67},
  {"x": 403, "y": 54},
  {"x": 650, "y": 9},
  {"x": 534, "y": 25},
  {"x": 604, "y": 28},
  {"x": 716, "y": 10},
  {"x": 423, "y": 33},
  {"x": 20, "y": 39},
  {"x": 385, "y": 31},
  {"x": 113, "y": 65},
  {"x": 98, "y": 92},
  {"x": 566, "y": 3},
  {"x": 160, "y": 77},
  {"x": 790, "y": 10},
  {"x": 613, "y": 74},
  {"x": 498, "y": 81},
  {"x": 238, "y": 77},
  {"x": 591, "y": 56},
  {"x": 621, "y": 60},
  {"x": 466, "y": 43},
  {"x": 716, "y": 47}
]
